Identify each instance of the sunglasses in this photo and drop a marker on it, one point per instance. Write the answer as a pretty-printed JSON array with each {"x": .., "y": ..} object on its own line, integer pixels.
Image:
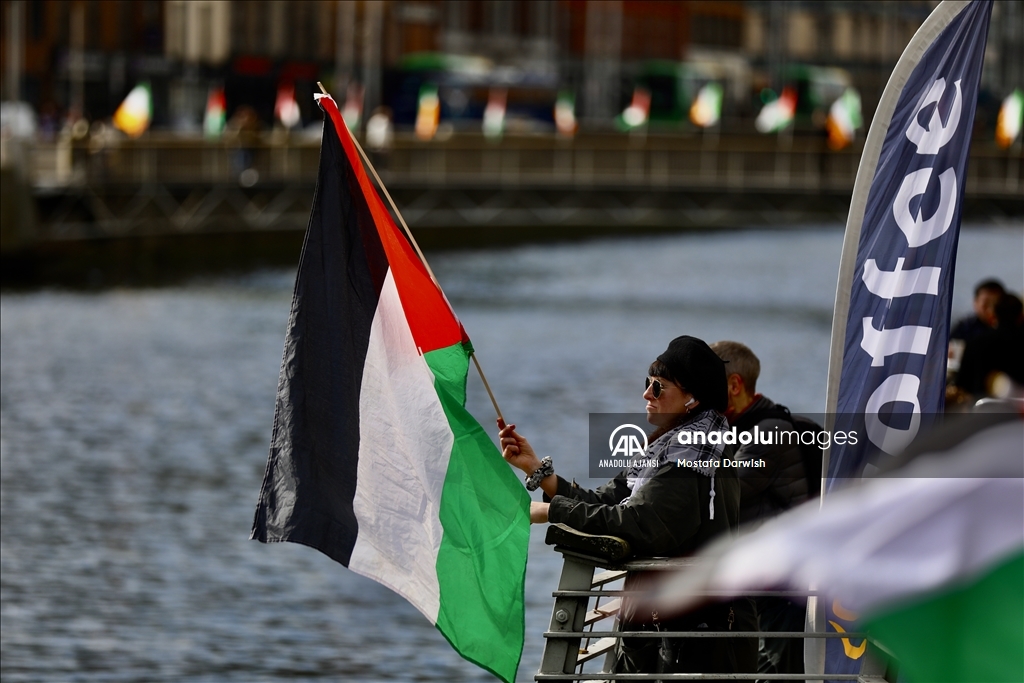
[{"x": 655, "y": 385}]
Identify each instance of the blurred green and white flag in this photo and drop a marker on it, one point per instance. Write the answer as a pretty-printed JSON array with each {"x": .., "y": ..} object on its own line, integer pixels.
[
  {"x": 706, "y": 109},
  {"x": 844, "y": 118},
  {"x": 928, "y": 559},
  {"x": 778, "y": 113}
]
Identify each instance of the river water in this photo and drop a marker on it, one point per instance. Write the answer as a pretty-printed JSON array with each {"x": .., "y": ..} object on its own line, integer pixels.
[{"x": 134, "y": 427}]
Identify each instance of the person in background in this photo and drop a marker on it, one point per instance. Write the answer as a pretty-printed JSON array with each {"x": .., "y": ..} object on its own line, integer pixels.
[
  {"x": 379, "y": 130},
  {"x": 765, "y": 492},
  {"x": 996, "y": 355},
  {"x": 986, "y": 294}
]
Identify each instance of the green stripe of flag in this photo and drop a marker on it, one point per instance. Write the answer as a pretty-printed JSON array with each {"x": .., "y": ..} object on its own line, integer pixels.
[
  {"x": 485, "y": 513},
  {"x": 973, "y": 634}
]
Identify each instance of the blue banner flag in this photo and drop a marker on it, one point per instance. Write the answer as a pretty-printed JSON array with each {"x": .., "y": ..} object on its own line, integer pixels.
[
  {"x": 891, "y": 325},
  {"x": 887, "y": 369}
]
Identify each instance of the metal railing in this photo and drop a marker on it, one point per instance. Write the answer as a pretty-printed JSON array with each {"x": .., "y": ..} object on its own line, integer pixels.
[
  {"x": 108, "y": 187},
  {"x": 583, "y": 600},
  {"x": 740, "y": 163}
]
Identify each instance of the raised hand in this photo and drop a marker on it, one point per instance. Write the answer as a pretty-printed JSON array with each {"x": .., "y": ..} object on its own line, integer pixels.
[{"x": 516, "y": 450}]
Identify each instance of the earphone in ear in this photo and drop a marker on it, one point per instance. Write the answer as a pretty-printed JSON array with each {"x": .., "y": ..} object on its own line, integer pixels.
[{"x": 690, "y": 402}]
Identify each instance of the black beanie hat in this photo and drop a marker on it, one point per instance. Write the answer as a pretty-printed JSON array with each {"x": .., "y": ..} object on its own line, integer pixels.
[{"x": 699, "y": 370}]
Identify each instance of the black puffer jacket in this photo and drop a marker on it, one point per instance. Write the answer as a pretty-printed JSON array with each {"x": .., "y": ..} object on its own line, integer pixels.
[
  {"x": 668, "y": 517},
  {"x": 781, "y": 484},
  {"x": 669, "y": 512}
]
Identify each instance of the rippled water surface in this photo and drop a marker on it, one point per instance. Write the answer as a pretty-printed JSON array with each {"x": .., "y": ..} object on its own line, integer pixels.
[{"x": 134, "y": 427}]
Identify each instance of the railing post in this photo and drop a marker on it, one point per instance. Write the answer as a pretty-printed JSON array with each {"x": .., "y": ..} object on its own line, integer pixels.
[{"x": 560, "y": 654}]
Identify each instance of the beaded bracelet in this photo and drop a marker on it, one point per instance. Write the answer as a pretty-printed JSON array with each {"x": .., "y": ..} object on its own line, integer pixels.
[{"x": 540, "y": 474}]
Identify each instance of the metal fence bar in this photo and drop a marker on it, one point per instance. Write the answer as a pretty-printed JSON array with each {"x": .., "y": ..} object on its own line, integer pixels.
[
  {"x": 699, "y": 634},
  {"x": 564, "y": 658},
  {"x": 722, "y": 594},
  {"x": 803, "y": 165},
  {"x": 606, "y": 676}
]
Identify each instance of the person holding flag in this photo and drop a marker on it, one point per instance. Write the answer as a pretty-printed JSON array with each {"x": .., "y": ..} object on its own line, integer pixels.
[{"x": 662, "y": 510}]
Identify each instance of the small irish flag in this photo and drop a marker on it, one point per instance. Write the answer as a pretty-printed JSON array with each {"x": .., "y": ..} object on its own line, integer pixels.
[
  {"x": 428, "y": 114},
  {"x": 929, "y": 560},
  {"x": 706, "y": 109},
  {"x": 374, "y": 459},
  {"x": 844, "y": 118},
  {"x": 494, "y": 113},
  {"x": 133, "y": 116},
  {"x": 1011, "y": 114}
]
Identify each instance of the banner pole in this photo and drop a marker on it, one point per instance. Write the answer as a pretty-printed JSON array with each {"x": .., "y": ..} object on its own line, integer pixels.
[{"x": 419, "y": 252}]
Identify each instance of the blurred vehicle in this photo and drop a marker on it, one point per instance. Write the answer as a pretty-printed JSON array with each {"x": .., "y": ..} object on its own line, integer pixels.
[
  {"x": 671, "y": 89},
  {"x": 675, "y": 85},
  {"x": 817, "y": 87},
  {"x": 464, "y": 85}
]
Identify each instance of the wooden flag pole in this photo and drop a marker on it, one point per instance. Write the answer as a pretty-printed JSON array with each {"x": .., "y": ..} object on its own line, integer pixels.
[
  {"x": 487, "y": 386},
  {"x": 419, "y": 252}
]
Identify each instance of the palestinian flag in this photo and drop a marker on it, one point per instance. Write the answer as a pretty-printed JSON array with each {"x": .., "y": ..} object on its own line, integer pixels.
[
  {"x": 494, "y": 113},
  {"x": 286, "y": 109},
  {"x": 216, "y": 109},
  {"x": 929, "y": 561},
  {"x": 777, "y": 114},
  {"x": 374, "y": 459}
]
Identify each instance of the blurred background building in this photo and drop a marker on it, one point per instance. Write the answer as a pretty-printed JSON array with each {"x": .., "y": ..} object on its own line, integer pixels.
[
  {"x": 81, "y": 57},
  {"x": 487, "y": 119}
]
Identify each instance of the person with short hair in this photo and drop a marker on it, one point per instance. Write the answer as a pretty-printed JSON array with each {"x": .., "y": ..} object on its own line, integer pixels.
[
  {"x": 782, "y": 483},
  {"x": 998, "y": 353},
  {"x": 765, "y": 492},
  {"x": 986, "y": 294}
]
